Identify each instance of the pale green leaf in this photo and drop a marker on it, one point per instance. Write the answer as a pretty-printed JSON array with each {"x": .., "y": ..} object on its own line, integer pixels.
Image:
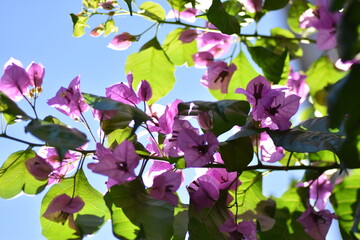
[
  {"x": 152, "y": 64},
  {"x": 89, "y": 219},
  {"x": 15, "y": 178},
  {"x": 179, "y": 52},
  {"x": 153, "y": 10}
]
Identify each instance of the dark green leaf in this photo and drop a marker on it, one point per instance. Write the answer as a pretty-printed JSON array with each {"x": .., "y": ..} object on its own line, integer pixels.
[
  {"x": 276, "y": 67},
  {"x": 152, "y": 65},
  {"x": 348, "y": 41},
  {"x": 336, "y": 5},
  {"x": 237, "y": 153},
  {"x": 242, "y": 76},
  {"x": 123, "y": 116},
  {"x": 61, "y": 137},
  {"x": 297, "y": 8},
  {"x": 289, "y": 208},
  {"x": 134, "y": 212},
  {"x": 320, "y": 124},
  {"x": 153, "y": 10},
  {"x": 275, "y": 4},
  {"x": 344, "y": 97},
  {"x": 296, "y": 140},
  {"x": 179, "y": 52},
  {"x": 225, "y": 22},
  {"x": 205, "y": 223},
  {"x": 15, "y": 178},
  {"x": 12, "y": 113},
  {"x": 225, "y": 113},
  {"x": 345, "y": 201},
  {"x": 89, "y": 219},
  {"x": 79, "y": 23},
  {"x": 181, "y": 222},
  {"x": 128, "y": 3},
  {"x": 322, "y": 69}
]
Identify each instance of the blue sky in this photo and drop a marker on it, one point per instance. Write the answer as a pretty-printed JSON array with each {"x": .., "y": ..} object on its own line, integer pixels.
[{"x": 41, "y": 31}]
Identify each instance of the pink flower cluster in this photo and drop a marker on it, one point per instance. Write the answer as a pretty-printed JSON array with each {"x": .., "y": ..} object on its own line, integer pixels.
[
  {"x": 324, "y": 21},
  {"x": 272, "y": 107},
  {"x": 17, "y": 82}
]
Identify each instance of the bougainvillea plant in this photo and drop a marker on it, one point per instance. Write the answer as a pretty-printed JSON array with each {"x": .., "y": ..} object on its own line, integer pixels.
[{"x": 266, "y": 116}]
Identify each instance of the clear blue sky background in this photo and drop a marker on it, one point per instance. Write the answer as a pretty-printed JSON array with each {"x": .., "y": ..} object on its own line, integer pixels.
[{"x": 41, "y": 31}]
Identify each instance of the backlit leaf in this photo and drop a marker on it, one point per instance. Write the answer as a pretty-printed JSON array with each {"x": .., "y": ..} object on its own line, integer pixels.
[
  {"x": 140, "y": 214},
  {"x": 153, "y": 10},
  {"x": 15, "y": 178},
  {"x": 12, "y": 113},
  {"x": 79, "y": 24},
  {"x": 152, "y": 64},
  {"x": 89, "y": 219},
  {"x": 179, "y": 52},
  {"x": 225, "y": 22}
]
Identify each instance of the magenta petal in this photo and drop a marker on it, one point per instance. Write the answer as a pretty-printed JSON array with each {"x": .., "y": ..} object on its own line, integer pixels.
[
  {"x": 70, "y": 101},
  {"x": 218, "y": 76},
  {"x": 145, "y": 91},
  {"x": 36, "y": 73},
  {"x": 122, "y": 41},
  {"x": 39, "y": 168},
  {"x": 63, "y": 204},
  {"x": 203, "y": 59},
  {"x": 15, "y": 82},
  {"x": 118, "y": 165},
  {"x": 165, "y": 185},
  {"x": 122, "y": 93},
  {"x": 316, "y": 224},
  {"x": 203, "y": 192},
  {"x": 188, "y": 35}
]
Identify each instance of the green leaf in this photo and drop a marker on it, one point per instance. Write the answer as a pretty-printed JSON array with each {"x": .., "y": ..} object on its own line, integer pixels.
[
  {"x": 225, "y": 22},
  {"x": 276, "y": 67},
  {"x": 296, "y": 140},
  {"x": 152, "y": 65},
  {"x": 178, "y": 52},
  {"x": 337, "y": 4},
  {"x": 55, "y": 135},
  {"x": 205, "y": 223},
  {"x": 296, "y": 9},
  {"x": 237, "y": 153},
  {"x": 345, "y": 201},
  {"x": 91, "y": 4},
  {"x": 153, "y": 10},
  {"x": 15, "y": 178},
  {"x": 242, "y": 76},
  {"x": 88, "y": 220},
  {"x": 289, "y": 208},
  {"x": 79, "y": 24},
  {"x": 252, "y": 204},
  {"x": 118, "y": 136},
  {"x": 128, "y": 3},
  {"x": 344, "y": 97},
  {"x": 180, "y": 4},
  {"x": 12, "y": 113},
  {"x": 348, "y": 42},
  {"x": 281, "y": 42},
  {"x": 110, "y": 27},
  {"x": 275, "y": 4},
  {"x": 124, "y": 113},
  {"x": 181, "y": 222},
  {"x": 324, "y": 69},
  {"x": 135, "y": 213},
  {"x": 224, "y": 114}
]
